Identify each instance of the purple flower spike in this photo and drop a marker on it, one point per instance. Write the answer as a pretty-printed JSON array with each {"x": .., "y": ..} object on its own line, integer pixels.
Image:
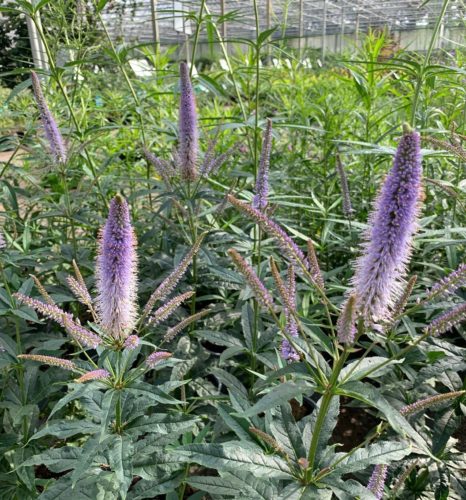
[
  {"x": 52, "y": 132},
  {"x": 380, "y": 269},
  {"x": 117, "y": 272},
  {"x": 2, "y": 241},
  {"x": 131, "y": 342},
  {"x": 377, "y": 481},
  {"x": 187, "y": 126},
  {"x": 260, "y": 200},
  {"x": 447, "y": 320}
]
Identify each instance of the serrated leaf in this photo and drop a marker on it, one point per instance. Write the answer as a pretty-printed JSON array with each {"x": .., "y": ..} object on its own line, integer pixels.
[
  {"x": 152, "y": 392},
  {"x": 377, "y": 453},
  {"x": 232, "y": 456},
  {"x": 161, "y": 423},
  {"x": 77, "y": 392},
  {"x": 65, "y": 458},
  {"x": 359, "y": 369},
  {"x": 278, "y": 394},
  {"x": 217, "y": 485},
  {"x": 149, "y": 489},
  {"x": 66, "y": 428}
]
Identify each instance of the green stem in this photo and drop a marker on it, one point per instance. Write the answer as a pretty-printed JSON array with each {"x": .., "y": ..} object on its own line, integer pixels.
[
  {"x": 57, "y": 78},
  {"x": 324, "y": 406},
  {"x": 421, "y": 74},
  {"x": 196, "y": 36}
]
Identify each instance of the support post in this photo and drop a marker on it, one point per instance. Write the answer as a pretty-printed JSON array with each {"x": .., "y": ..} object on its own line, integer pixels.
[
  {"x": 39, "y": 56},
  {"x": 342, "y": 28},
  {"x": 224, "y": 24},
  {"x": 268, "y": 16},
  {"x": 324, "y": 29},
  {"x": 155, "y": 25},
  {"x": 301, "y": 27}
]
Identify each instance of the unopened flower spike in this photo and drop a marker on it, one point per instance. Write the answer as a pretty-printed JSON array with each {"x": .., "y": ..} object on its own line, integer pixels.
[
  {"x": 423, "y": 404},
  {"x": 288, "y": 246},
  {"x": 386, "y": 252},
  {"x": 346, "y": 324},
  {"x": 42, "y": 290},
  {"x": 131, "y": 342},
  {"x": 347, "y": 207},
  {"x": 52, "y": 132},
  {"x": 188, "y": 132},
  {"x": 116, "y": 272},
  {"x": 156, "y": 357},
  {"x": 170, "y": 282},
  {"x": 260, "y": 200},
  {"x": 314, "y": 267},
  {"x": 261, "y": 293},
  {"x": 99, "y": 374},
  {"x": 50, "y": 360},
  {"x": 163, "y": 168},
  {"x": 174, "y": 330},
  {"x": 165, "y": 311},
  {"x": 377, "y": 481}
]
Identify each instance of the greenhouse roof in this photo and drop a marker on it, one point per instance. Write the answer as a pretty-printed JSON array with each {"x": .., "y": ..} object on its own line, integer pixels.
[{"x": 132, "y": 19}]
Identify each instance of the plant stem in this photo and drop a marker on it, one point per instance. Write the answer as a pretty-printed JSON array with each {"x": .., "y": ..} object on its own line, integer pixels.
[{"x": 421, "y": 74}]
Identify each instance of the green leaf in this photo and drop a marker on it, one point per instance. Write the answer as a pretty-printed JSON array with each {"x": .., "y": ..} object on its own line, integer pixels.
[
  {"x": 149, "y": 489},
  {"x": 247, "y": 322},
  {"x": 371, "y": 396},
  {"x": 152, "y": 392},
  {"x": 120, "y": 458},
  {"x": 78, "y": 390},
  {"x": 56, "y": 459},
  {"x": 286, "y": 432},
  {"x": 377, "y": 453},
  {"x": 217, "y": 485},
  {"x": 361, "y": 368},
  {"x": 232, "y": 456},
  {"x": 64, "y": 429},
  {"x": 90, "y": 451},
  {"x": 278, "y": 394},
  {"x": 260, "y": 488},
  {"x": 161, "y": 423}
]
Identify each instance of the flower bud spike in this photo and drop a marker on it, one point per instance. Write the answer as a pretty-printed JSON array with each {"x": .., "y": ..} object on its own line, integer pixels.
[
  {"x": 187, "y": 127},
  {"x": 261, "y": 293},
  {"x": 52, "y": 132},
  {"x": 99, "y": 374},
  {"x": 423, "y": 404},
  {"x": 346, "y": 324},
  {"x": 260, "y": 200},
  {"x": 49, "y": 360}
]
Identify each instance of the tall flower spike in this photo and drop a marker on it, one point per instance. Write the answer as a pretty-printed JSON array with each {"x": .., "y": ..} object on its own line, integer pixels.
[
  {"x": 2, "y": 241},
  {"x": 52, "y": 132},
  {"x": 288, "y": 246},
  {"x": 261, "y": 293},
  {"x": 117, "y": 272},
  {"x": 346, "y": 324},
  {"x": 188, "y": 132},
  {"x": 42, "y": 290},
  {"x": 260, "y": 200},
  {"x": 347, "y": 208},
  {"x": 400, "y": 305},
  {"x": 377, "y": 481},
  {"x": 49, "y": 360},
  {"x": 380, "y": 269},
  {"x": 447, "y": 320}
]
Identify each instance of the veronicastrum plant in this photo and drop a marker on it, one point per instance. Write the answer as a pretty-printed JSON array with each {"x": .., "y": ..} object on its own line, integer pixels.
[
  {"x": 263, "y": 450},
  {"x": 125, "y": 419}
]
